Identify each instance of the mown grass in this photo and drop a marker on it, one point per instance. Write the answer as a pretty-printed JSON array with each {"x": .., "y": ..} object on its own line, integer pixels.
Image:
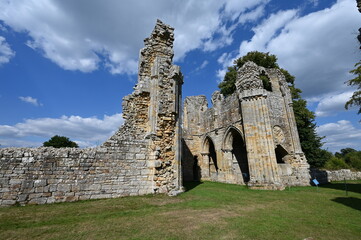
[{"x": 206, "y": 211}]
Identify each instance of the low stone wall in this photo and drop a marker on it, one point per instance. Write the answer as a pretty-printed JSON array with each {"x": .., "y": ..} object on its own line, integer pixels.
[
  {"x": 325, "y": 176},
  {"x": 48, "y": 175}
]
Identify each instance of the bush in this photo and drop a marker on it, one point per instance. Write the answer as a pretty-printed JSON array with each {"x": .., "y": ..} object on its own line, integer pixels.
[
  {"x": 353, "y": 159},
  {"x": 335, "y": 163}
]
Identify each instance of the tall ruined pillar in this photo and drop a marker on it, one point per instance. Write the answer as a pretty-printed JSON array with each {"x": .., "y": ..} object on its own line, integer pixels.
[
  {"x": 152, "y": 112},
  {"x": 164, "y": 83},
  {"x": 257, "y": 129}
]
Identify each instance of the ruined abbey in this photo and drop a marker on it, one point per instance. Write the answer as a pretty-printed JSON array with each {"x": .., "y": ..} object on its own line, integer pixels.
[{"x": 247, "y": 138}]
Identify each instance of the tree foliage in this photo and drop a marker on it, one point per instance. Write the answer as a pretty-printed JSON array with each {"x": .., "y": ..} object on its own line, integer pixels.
[
  {"x": 347, "y": 158},
  {"x": 60, "y": 142},
  {"x": 355, "y": 99},
  {"x": 311, "y": 143}
]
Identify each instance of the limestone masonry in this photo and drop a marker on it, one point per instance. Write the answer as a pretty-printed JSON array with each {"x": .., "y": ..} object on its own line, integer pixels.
[{"x": 248, "y": 138}]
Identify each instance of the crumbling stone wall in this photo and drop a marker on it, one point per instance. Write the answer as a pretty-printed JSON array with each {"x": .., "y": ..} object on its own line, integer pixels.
[
  {"x": 142, "y": 157},
  {"x": 326, "y": 176},
  {"x": 250, "y": 137}
]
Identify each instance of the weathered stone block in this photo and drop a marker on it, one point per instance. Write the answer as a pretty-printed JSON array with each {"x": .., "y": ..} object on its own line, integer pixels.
[
  {"x": 63, "y": 187},
  {"x": 40, "y": 183}
]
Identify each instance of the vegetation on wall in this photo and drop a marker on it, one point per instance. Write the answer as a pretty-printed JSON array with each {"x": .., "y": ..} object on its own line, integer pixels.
[{"x": 311, "y": 143}]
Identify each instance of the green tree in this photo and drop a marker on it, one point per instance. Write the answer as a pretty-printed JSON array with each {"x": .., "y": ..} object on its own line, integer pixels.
[
  {"x": 336, "y": 163},
  {"x": 344, "y": 152},
  {"x": 353, "y": 159},
  {"x": 60, "y": 142},
  {"x": 355, "y": 99},
  {"x": 311, "y": 143}
]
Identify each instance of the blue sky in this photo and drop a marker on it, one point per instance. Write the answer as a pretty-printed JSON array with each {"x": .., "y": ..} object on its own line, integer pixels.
[{"x": 66, "y": 65}]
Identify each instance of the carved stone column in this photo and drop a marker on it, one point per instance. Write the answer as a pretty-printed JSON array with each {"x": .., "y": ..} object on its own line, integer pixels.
[{"x": 257, "y": 129}]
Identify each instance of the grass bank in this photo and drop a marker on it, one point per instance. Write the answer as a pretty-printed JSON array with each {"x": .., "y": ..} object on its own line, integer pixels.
[{"x": 205, "y": 211}]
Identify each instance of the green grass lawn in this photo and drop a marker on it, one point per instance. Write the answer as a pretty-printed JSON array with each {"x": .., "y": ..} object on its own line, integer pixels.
[{"x": 205, "y": 211}]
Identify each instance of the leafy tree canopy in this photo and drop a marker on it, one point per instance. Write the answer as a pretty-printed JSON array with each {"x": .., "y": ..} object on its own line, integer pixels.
[
  {"x": 346, "y": 158},
  {"x": 311, "y": 143},
  {"x": 355, "y": 99},
  {"x": 60, "y": 142}
]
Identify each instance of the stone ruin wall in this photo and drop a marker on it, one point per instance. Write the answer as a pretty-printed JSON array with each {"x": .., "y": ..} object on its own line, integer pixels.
[
  {"x": 48, "y": 175},
  {"x": 326, "y": 176},
  {"x": 142, "y": 157},
  {"x": 265, "y": 122}
]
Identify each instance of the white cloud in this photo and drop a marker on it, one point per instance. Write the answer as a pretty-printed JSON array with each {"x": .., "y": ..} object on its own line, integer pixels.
[
  {"x": 85, "y": 131},
  {"x": 226, "y": 60},
  {"x": 332, "y": 104},
  {"x": 340, "y": 135},
  {"x": 314, "y": 2},
  {"x": 31, "y": 100},
  {"x": 319, "y": 48},
  {"x": 266, "y": 31},
  {"x": 5, "y": 51},
  {"x": 203, "y": 65},
  {"x": 252, "y": 15},
  {"x": 84, "y": 35}
]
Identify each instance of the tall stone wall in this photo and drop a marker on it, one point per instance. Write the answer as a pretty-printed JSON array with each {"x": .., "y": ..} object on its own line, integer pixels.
[
  {"x": 142, "y": 157},
  {"x": 249, "y": 137}
]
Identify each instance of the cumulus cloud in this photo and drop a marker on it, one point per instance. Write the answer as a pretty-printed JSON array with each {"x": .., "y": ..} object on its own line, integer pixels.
[
  {"x": 320, "y": 47},
  {"x": 84, "y": 35},
  {"x": 6, "y": 53},
  {"x": 85, "y": 131},
  {"x": 340, "y": 135},
  {"x": 331, "y": 105},
  {"x": 31, "y": 100}
]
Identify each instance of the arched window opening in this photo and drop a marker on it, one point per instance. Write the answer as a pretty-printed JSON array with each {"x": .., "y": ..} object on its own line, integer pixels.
[
  {"x": 240, "y": 153},
  {"x": 280, "y": 154},
  {"x": 212, "y": 154}
]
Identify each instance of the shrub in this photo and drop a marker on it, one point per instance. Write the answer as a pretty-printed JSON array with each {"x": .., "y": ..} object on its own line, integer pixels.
[{"x": 335, "y": 163}]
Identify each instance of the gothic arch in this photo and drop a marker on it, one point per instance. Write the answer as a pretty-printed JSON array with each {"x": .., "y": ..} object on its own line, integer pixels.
[
  {"x": 209, "y": 149},
  {"x": 228, "y": 137},
  {"x": 234, "y": 145}
]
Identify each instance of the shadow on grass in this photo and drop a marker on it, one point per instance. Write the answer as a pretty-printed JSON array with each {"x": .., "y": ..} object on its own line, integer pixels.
[
  {"x": 351, "y": 202},
  {"x": 351, "y": 187},
  {"x": 190, "y": 185}
]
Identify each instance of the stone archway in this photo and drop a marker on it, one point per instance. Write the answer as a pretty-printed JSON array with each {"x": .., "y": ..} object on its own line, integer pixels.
[
  {"x": 210, "y": 156},
  {"x": 235, "y": 150}
]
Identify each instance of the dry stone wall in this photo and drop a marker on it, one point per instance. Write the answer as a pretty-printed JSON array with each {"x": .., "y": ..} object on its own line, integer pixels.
[
  {"x": 142, "y": 157},
  {"x": 48, "y": 175},
  {"x": 326, "y": 176}
]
